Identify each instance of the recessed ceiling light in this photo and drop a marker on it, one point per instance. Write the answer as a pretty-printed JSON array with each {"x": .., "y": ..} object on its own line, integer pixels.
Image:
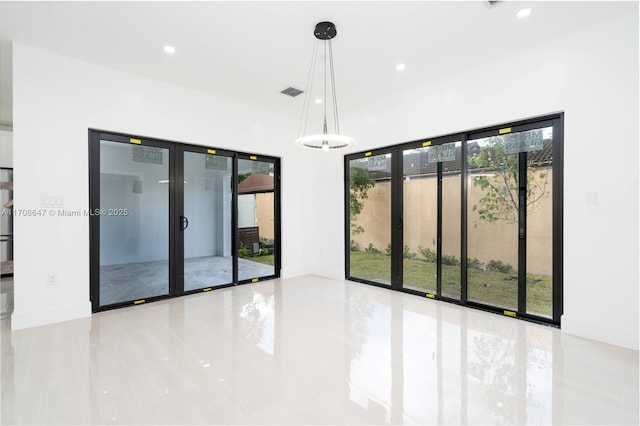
[
  {"x": 318, "y": 101},
  {"x": 400, "y": 67},
  {"x": 524, "y": 12},
  {"x": 170, "y": 49}
]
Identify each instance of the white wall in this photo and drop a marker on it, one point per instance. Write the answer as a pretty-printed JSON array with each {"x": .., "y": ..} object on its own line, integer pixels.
[
  {"x": 56, "y": 99},
  {"x": 592, "y": 76},
  {"x": 246, "y": 210}
]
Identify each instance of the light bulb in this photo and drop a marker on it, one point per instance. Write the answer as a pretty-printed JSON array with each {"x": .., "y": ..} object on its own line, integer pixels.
[{"x": 524, "y": 13}]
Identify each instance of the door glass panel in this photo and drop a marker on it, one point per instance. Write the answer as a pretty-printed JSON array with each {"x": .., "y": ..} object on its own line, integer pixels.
[
  {"x": 492, "y": 232},
  {"x": 208, "y": 260},
  {"x": 256, "y": 219},
  {"x": 420, "y": 211},
  {"x": 370, "y": 218},
  {"x": 451, "y": 217},
  {"x": 134, "y": 222},
  {"x": 540, "y": 227}
]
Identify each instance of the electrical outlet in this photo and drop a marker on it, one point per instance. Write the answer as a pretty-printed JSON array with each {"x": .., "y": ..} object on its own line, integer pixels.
[
  {"x": 52, "y": 202},
  {"x": 52, "y": 279},
  {"x": 593, "y": 199}
]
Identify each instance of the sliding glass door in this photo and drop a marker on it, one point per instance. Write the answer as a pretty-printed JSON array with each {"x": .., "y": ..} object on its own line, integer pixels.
[
  {"x": 431, "y": 217},
  {"x": 206, "y": 220},
  {"x": 474, "y": 218},
  {"x": 168, "y": 219},
  {"x": 134, "y": 218},
  {"x": 257, "y": 224},
  {"x": 369, "y": 195},
  {"x": 510, "y": 199}
]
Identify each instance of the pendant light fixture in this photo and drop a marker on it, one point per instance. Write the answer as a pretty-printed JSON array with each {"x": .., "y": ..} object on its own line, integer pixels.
[{"x": 324, "y": 32}]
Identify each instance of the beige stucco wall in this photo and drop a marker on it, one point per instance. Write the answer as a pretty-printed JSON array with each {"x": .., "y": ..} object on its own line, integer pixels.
[
  {"x": 485, "y": 241},
  {"x": 264, "y": 214}
]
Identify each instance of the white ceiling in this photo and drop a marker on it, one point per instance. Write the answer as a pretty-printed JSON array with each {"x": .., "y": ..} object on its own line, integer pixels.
[{"x": 249, "y": 51}]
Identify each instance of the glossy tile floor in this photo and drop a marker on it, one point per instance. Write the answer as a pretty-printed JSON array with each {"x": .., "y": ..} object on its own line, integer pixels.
[{"x": 311, "y": 350}]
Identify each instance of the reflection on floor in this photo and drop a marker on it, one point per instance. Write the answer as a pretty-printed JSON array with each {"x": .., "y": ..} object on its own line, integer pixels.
[
  {"x": 133, "y": 281},
  {"x": 310, "y": 350}
]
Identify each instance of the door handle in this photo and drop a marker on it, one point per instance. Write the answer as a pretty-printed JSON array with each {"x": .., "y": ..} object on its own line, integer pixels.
[{"x": 184, "y": 223}]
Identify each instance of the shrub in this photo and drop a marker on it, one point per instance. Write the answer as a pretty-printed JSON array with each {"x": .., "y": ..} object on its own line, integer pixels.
[
  {"x": 407, "y": 254},
  {"x": 428, "y": 254},
  {"x": 371, "y": 249},
  {"x": 474, "y": 263},
  {"x": 354, "y": 246},
  {"x": 388, "y": 250},
  {"x": 499, "y": 266},
  {"x": 450, "y": 260},
  {"x": 243, "y": 251}
]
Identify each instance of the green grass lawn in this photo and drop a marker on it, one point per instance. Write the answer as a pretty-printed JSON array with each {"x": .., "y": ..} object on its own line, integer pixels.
[
  {"x": 489, "y": 287},
  {"x": 267, "y": 259}
]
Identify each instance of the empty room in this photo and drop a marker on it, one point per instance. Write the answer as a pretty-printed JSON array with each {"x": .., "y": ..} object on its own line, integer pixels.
[{"x": 319, "y": 212}]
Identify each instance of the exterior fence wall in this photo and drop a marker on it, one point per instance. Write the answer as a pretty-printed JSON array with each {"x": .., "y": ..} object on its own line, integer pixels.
[
  {"x": 485, "y": 242},
  {"x": 264, "y": 214}
]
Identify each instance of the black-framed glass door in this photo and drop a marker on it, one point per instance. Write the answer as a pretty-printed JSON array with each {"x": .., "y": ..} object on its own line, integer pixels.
[
  {"x": 258, "y": 224},
  {"x": 372, "y": 217},
  {"x": 510, "y": 233},
  {"x": 130, "y": 211},
  {"x": 431, "y": 188},
  {"x": 164, "y": 219},
  {"x": 474, "y": 218},
  {"x": 205, "y": 215}
]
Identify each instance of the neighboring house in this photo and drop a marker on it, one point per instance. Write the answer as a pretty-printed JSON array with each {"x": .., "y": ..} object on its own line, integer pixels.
[{"x": 256, "y": 204}]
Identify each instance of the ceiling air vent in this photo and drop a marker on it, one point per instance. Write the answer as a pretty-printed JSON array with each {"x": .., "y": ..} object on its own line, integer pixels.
[{"x": 291, "y": 91}]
